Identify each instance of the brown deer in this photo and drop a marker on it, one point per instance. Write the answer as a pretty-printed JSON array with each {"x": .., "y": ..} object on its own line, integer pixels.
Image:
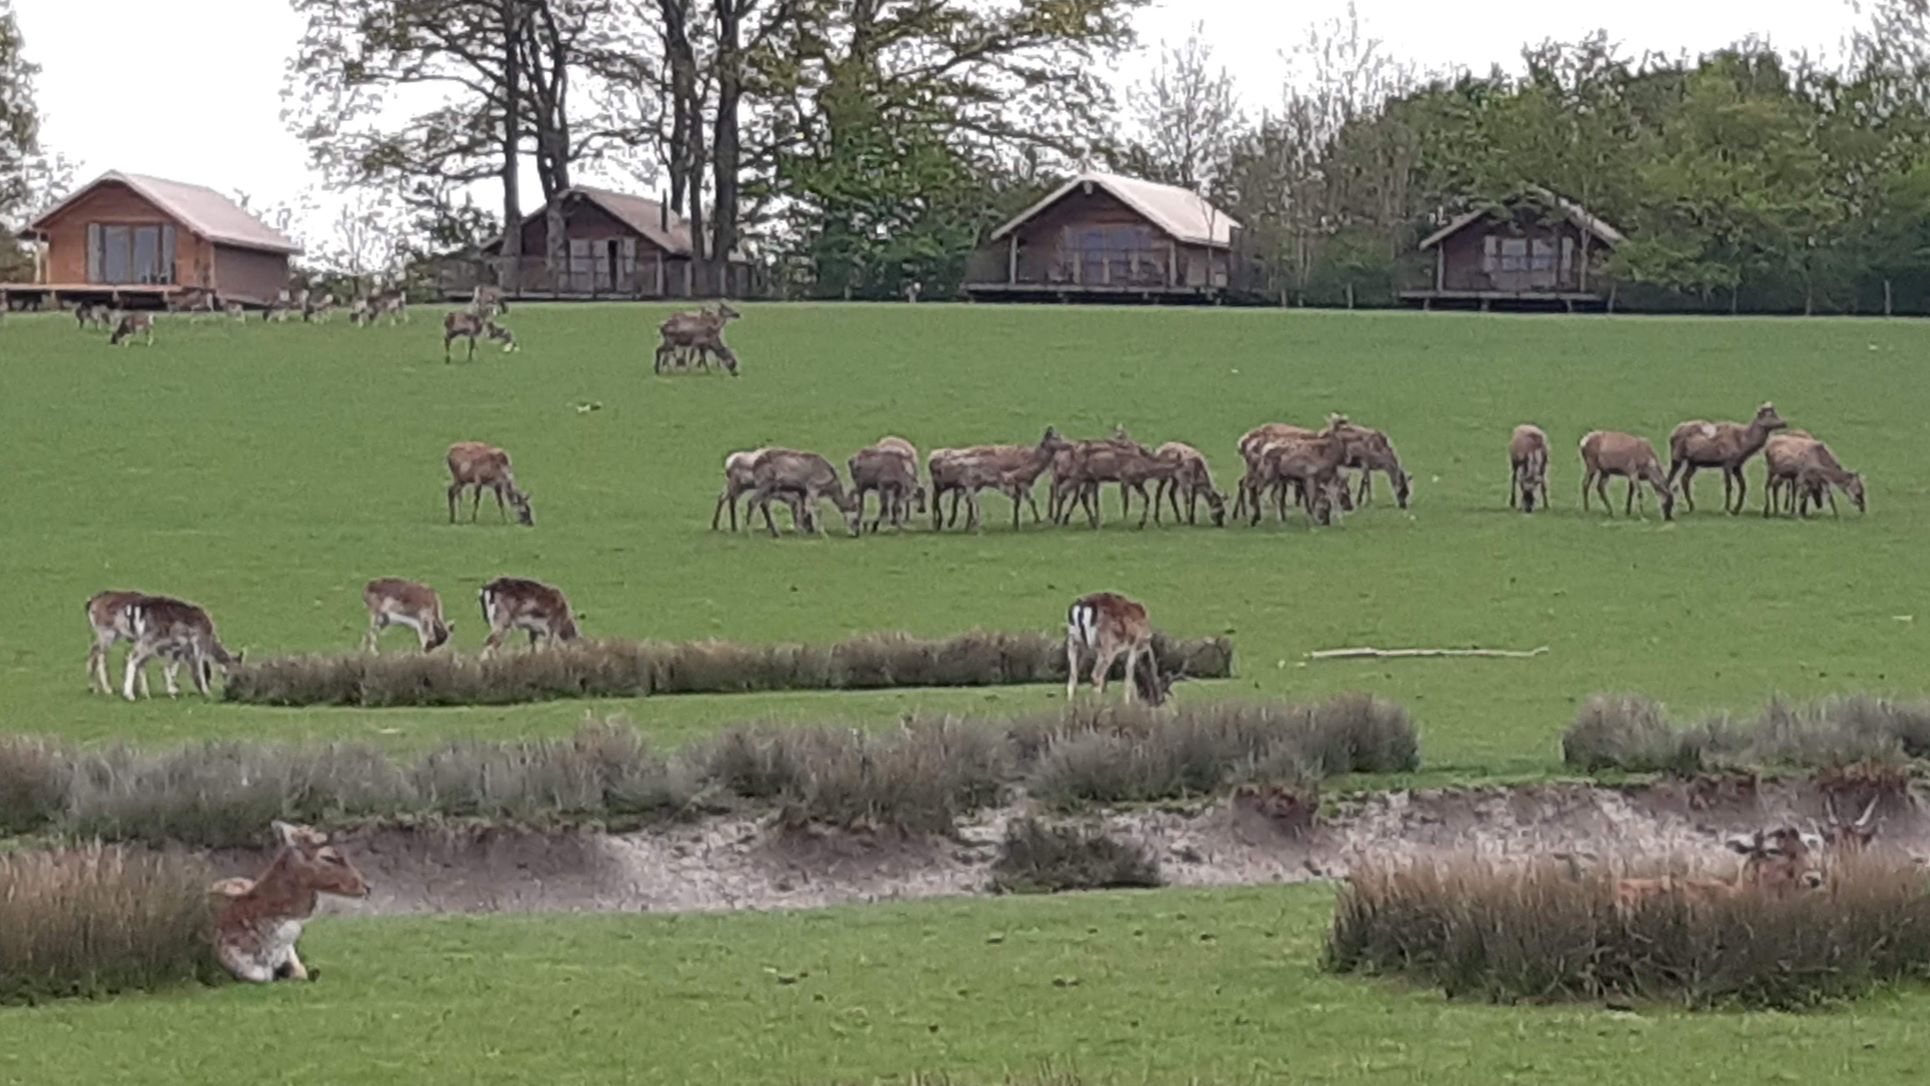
[
  {"x": 393, "y": 601},
  {"x": 1130, "y": 466},
  {"x": 131, "y": 325},
  {"x": 1775, "y": 863},
  {"x": 1083, "y": 466},
  {"x": 1528, "y": 466},
  {"x": 258, "y": 921},
  {"x": 739, "y": 480},
  {"x": 179, "y": 631},
  {"x": 512, "y": 603},
  {"x": 466, "y": 325},
  {"x": 1609, "y": 452},
  {"x": 488, "y": 301},
  {"x": 1101, "y": 627},
  {"x": 1820, "y": 477},
  {"x": 393, "y": 304},
  {"x": 965, "y": 472},
  {"x": 801, "y": 479},
  {"x": 1726, "y": 445},
  {"x": 94, "y": 315},
  {"x": 107, "y": 614},
  {"x": 1309, "y": 468},
  {"x": 1369, "y": 451},
  {"x": 701, "y": 333},
  {"x": 473, "y": 464},
  {"x": 894, "y": 476},
  {"x": 1193, "y": 479}
]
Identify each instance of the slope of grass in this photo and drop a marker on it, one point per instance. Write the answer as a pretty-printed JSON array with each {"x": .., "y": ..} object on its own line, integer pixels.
[
  {"x": 267, "y": 471},
  {"x": 1134, "y": 987}
]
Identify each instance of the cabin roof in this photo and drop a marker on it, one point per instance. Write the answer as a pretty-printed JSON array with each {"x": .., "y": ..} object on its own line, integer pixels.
[
  {"x": 1575, "y": 213},
  {"x": 1183, "y": 214},
  {"x": 669, "y": 232},
  {"x": 197, "y": 207}
]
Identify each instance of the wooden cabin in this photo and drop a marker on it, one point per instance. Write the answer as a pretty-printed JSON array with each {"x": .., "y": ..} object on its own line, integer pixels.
[
  {"x": 1101, "y": 236},
  {"x": 1543, "y": 251},
  {"x": 128, "y": 237},
  {"x": 617, "y": 247}
]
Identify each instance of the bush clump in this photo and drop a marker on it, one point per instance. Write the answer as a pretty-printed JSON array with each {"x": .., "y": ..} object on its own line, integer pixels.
[
  {"x": 98, "y": 920},
  {"x": 1037, "y": 858},
  {"x": 630, "y": 669},
  {"x": 1633, "y": 734},
  {"x": 1542, "y": 933}
]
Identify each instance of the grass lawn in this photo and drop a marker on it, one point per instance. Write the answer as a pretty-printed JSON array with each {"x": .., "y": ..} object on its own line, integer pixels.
[
  {"x": 1128, "y": 987},
  {"x": 266, "y": 471}
]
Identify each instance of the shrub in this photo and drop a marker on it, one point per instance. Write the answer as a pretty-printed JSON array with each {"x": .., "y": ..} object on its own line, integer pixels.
[
  {"x": 607, "y": 669},
  {"x": 99, "y": 920},
  {"x": 33, "y": 784},
  {"x": 1633, "y": 734},
  {"x": 1036, "y": 858},
  {"x": 1543, "y": 934}
]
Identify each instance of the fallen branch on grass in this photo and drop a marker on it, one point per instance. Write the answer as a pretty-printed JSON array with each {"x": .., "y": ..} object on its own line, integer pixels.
[{"x": 1388, "y": 654}]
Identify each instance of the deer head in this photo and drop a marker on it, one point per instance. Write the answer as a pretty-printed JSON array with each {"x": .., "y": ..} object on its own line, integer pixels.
[
  {"x": 316, "y": 864},
  {"x": 524, "y": 515},
  {"x": 1854, "y": 836},
  {"x": 1767, "y": 419},
  {"x": 1779, "y": 860}
]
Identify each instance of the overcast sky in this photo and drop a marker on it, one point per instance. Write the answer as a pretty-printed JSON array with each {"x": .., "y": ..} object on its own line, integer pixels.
[{"x": 120, "y": 90}]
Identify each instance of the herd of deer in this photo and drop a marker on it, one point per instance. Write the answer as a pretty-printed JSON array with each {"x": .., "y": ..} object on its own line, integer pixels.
[{"x": 1281, "y": 460}]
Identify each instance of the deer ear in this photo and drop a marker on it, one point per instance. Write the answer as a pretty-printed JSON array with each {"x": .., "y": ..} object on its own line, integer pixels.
[
  {"x": 1744, "y": 843},
  {"x": 287, "y": 833}
]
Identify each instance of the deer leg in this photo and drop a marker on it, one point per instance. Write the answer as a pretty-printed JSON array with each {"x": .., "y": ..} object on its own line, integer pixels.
[
  {"x": 1366, "y": 486},
  {"x": 136, "y": 661},
  {"x": 1742, "y": 489},
  {"x": 1145, "y": 503},
  {"x": 201, "y": 668},
  {"x": 376, "y": 624},
  {"x": 1072, "y": 663},
  {"x": 97, "y": 668},
  {"x": 501, "y": 509},
  {"x": 1587, "y": 478},
  {"x": 1601, "y": 491},
  {"x": 1688, "y": 474},
  {"x": 1102, "y": 668},
  {"x": 495, "y": 639},
  {"x": 1033, "y": 504},
  {"x": 295, "y": 969},
  {"x": 1132, "y": 661},
  {"x": 717, "y": 512},
  {"x": 455, "y": 492}
]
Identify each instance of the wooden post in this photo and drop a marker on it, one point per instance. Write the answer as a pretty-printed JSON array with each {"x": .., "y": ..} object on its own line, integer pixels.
[
  {"x": 1440, "y": 268},
  {"x": 1012, "y": 261},
  {"x": 1172, "y": 264}
]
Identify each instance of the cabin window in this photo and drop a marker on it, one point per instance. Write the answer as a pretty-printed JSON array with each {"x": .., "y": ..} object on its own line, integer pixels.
[{"x": 118, "y": 253}]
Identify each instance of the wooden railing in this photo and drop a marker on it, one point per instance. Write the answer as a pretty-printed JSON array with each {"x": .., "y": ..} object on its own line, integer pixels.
[
  {"x": 579, "y": 277},
  {"x": 1073, "y": 269}
]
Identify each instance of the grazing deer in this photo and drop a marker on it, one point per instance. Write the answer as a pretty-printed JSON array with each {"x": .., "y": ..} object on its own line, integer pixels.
[
  {"x": 802, "y": 479},
  {"x": 259, "y": 920},
  {"x": 512, "y": 603},
  {"x": 1192, "y": 479},
  {"x": 316, "y": 308},
  {"x": 194, "y": 301},
  {"x": 395, "y": 602},
  {"x": 107, "y": 614},
  {"x": 1725, "y": 445},
  {"x": 393, "y": 304},
  {"x": 131, "y": 325},
  {"x": 1609, "y": 452},
  {"x": 965, "y": 472},
  {"x": 1369, "y": 451},
  {"x": 180, "y": 631},
  {"x": 894, "y": 475},
  {"x": 1527, "y": 466},
  {"x": 488, "y": 302},
  {"x": 94, "y": 315},
  {"x": 1775, "y": 863},
  {"x": 473, "y": 464},
  {"x": 739, "y": 479},
  {"x": 465, "y": 325},
  {"x": 1102, "y": 626}
]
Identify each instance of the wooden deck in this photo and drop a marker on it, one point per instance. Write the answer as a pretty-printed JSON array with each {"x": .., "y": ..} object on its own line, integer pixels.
[
  {"x": 54, "y": 295},
  {"x": 1147, "y": 294},
  {"x": 1564, "y": 300}
]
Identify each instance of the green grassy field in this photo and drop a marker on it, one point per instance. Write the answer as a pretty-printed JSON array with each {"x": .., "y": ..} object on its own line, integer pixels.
[
  {"x": 1125, "y": 987},
  {"x": 268, "y": 471}
]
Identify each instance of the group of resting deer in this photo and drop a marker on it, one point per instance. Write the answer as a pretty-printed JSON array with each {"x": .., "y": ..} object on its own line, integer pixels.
[
  {"x": 1280, "y": 459},
  {"x": 1775, "y": 863},
  {"x": 1802, "y": 471}
]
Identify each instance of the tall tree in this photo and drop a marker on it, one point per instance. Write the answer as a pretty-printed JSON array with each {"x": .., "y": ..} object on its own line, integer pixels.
[
  {"x": 19, "y": 118},
  {"x": 1186, "y": 115}
]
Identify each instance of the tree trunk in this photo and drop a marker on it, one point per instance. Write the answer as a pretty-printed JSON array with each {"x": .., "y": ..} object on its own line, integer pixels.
[
  {"x": 687, "y": 134},
  {"x": 512, "y": 247},
  {"x": 1350, "y": 296},
  {"x": 724, "y": 143},
  {"x": 1887, "y": 310}
]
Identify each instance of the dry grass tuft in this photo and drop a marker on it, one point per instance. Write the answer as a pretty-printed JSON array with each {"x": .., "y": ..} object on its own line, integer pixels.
[
  {"x": 99, "y": 920},
  {"x": 1633, "y": 734},
  {"x": 1543, "y": 934},
  {"x": 1037, "y": 858}
]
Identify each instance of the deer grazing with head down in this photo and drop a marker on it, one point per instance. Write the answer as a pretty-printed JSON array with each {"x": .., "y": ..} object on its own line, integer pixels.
[
  {"x": 513, "y": 603},
  {"x": 475, "y": 465},
  {"x": 258, "y": 921},
  {"x": 180, "y": 632},
  {"x": 393, "y": 601},
  {"x": 1101, "y": 627},
  {"x": 801, "y": 480},
  {"x": 107, "y": 615},
  {"x": 1528, "y": 467},
  {"x": 94, "y": 315},
  {"x": 1725, "y": 445},
  {"x": 890, "y": 467},
  {"x": 739, "y": 480},
  {"x": 1191, "y": 478},
  {"x": 1608, "y": 453},
  {"x": 131, "y": 325}
]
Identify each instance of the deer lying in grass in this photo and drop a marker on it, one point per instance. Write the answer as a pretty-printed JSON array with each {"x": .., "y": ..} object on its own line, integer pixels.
[
  {"x": 94, "y": 315},
  {"x": 700, "y": 334},
  {"x": 131, "y": 325},
  {"x": 1608, "y": 452},
  {"x": 475, "y": 465},
  {"x": 1725, "y": 445},
  {"x": 1528, "y": 467},
  {"x": 801, "y": 479},
  {"x": 107, "y": 615},
  {"x": 258, "y": 921},
  {"x": 466, "y": 325},
  {"x": 889, "y": 467},
  {"x": 512, "y": 603},
  {"x": 1775, "y": 863},
  {"x": 1191, "y": 478},
  {"x": 182, "y": 633},
  {"x": 1100, "y": 627},
  {"x": 964, "y": 472},
  {"x": 393, "y": 601}
]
